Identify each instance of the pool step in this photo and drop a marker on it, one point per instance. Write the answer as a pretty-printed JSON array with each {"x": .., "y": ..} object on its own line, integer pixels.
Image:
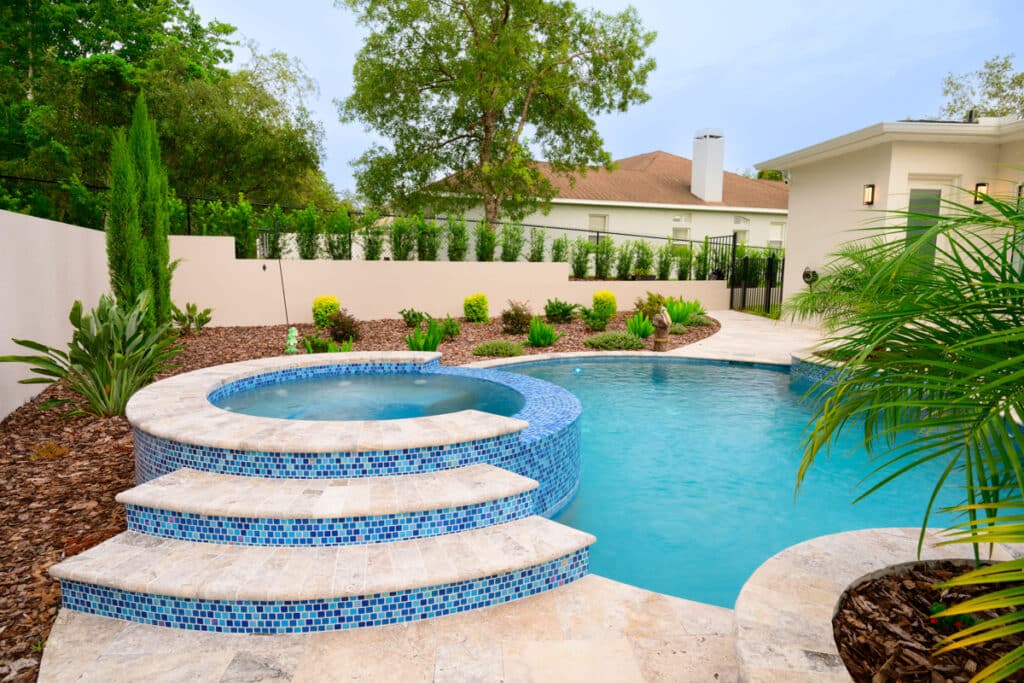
[
  {"x": 241, "y": 589},
  {"x": 222, "y": 508}
]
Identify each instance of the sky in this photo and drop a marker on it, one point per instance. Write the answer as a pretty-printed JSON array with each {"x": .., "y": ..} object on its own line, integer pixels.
[{"x": 775, "y": 76}]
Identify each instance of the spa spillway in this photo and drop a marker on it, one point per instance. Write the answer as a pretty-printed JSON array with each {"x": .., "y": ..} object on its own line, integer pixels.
[{"x": 319, "y": 492}]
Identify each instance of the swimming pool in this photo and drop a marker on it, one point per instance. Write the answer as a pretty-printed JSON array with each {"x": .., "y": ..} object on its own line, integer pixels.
[{"x": 689, "y": 472}]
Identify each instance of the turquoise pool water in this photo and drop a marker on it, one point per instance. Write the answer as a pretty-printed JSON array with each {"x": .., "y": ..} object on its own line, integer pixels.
[{"x": 689, "y": 472}]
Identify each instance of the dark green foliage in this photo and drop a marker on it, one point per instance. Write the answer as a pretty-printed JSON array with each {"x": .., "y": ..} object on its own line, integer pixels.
[
  {"x": 516, "y": 318},
  {"x": 474, "y": 308},
  {"x": 684, "y": 261},
  {"x": 536, "y": 251},
  {"x": 112, "y": 354},
  {"x": 338, "y": 228},
  {"x": 402, "y": 236},
  {"x": 426, "y": 340},
  {"x": 486, "y": 241},
  {"x": 450, "y": 328},
  {"x": 125, "y": 247},
  {"x": 665, "y": 258},
  {"x": 678, "y": 328},
  {"x": 682, "y": 311},
  {"x": 512, "y": 241},
  {"x": 191, "y": 318},
  {"x": 614, "y": 341},
  {"x": 499, "y": 347},
  {"x": 458, "y": 238},
  {"x": 307, "y": 232},
  {"x": 558, "y": 311},
  {"x": 560, "y": 249},
  {"x": 411, "y": 317},
  {"x": 595, "y": 318},
  {"x": 624, "y": 261},
  {"x": 316, "y": 344},
  {"x": 343, "y": 326},
  {"x": 541, "y": 334},
  {"x": 650, "y": 305},
  {"x": 768, "y": 174},
  {"x": 640, "y": 326},
  {"x": 643, "y": 258},
  {"x": 580, "y": 258},
  {"x": 428, "y": 239},
  {"x": 604, "y": 254},
  {"x": 372, "y": 236},
  {"x": 272, "y": 222}
]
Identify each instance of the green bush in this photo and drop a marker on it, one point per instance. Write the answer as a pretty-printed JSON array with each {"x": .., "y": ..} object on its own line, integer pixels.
[
  {"x": 458, "y": 238},
  {"x": 343, "y": 326},
  {"x": 428, "y": 239},
  {"x": 604, "y": 254},
  {"x": 624, "y": 261},
  {"x": 665, "y": 260},
  {"x": 640, "y": 326},
  {"x": 371, "y": 235},
  {"x": 111, "y": 355},
  {"x": 684, "y": 261},
  {"x": 604, "y": 301},
  {"x": 516, "y": 318},
  {"x": 190, "y": 318},
  {"x": 683, "y": 311},
  {"x": 541, "y": 334},
  {"x": 512, "y": 242},
  {"x": 486, "y": 240},
  {"x": 411, "y": 317},
  {"x": 536, "y": 251},
  {"x": 650, "y": 305},
  {"x": 678, "y": 328},
  {"x": 595, "y": 318},
  {"x": 323, "y": 307},
  {"x": 614, "y": 341},
  {"x": 643, "y": 258},
  {"x": 314, "y": 343},
  {"x": 499, "y": 347},
  {"x": 307, "y": 235},
  {"x": 338, "y": 229},
  {"x": 560, "y": 249},
  {"x": 402, "y": 237},
  {"x": 474, "y": 309},
  {"x": 580, "y": 258},
  {"x": 450, "y": 328},
  {"x": 425, "y": 340},
  {"x": 558, "y": 311}
]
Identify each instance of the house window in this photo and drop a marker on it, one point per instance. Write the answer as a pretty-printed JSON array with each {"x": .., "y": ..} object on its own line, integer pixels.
[
  {"x": 776, "y": 234},
  {"x": 598, "y": 222},
  {"x": 681, "y": 234},
  {"x": 684, "y": 217},
  {"x": 742, "y": 236}
]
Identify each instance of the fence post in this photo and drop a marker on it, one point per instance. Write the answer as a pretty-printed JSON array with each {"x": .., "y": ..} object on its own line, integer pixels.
[
  {"x": 743, "y": 282},
  {"x": 769, "y": 282},
  {"x": 188, "y": 213}
]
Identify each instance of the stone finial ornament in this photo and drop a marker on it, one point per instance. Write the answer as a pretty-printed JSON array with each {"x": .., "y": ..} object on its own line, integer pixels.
[{"x": 662, "y": 321}]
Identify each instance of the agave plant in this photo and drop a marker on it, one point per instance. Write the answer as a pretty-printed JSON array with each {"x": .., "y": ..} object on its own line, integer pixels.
[{"x": 935, "y": 364}]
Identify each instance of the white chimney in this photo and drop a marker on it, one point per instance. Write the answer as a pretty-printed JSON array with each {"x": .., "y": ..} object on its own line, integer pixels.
[{"x": 708, "y": 159}]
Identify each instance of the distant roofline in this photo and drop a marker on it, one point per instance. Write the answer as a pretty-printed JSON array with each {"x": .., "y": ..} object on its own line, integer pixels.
[
  {"x": 680, "y": 207},
  {"x": 983, "y": 131}
]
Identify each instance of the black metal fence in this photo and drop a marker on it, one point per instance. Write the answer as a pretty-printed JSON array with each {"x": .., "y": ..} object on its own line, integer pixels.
[{"x": 757, "y": 283}]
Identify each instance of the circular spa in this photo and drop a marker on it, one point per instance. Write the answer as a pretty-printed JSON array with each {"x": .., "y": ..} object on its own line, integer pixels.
[{"x": 334, "y": 416}]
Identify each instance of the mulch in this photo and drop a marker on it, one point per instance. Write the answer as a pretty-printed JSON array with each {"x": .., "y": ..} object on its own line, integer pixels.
[
  {"x": 885, "y": 632},
  {"x": 59, "y": 475}
]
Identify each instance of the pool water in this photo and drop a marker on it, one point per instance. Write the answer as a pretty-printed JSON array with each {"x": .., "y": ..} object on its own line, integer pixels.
[
  {"x": 374, "y": 397},
  {"x": 689, "y": 472}
]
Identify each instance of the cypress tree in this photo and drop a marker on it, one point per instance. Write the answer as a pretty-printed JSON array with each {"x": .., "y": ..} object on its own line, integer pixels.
[{"x": 125, "y": 250}]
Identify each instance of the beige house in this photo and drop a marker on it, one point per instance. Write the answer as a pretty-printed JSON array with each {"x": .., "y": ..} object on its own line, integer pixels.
[
  {"x": 661, "y": 195},
  {"x": 843, "y": 184}
]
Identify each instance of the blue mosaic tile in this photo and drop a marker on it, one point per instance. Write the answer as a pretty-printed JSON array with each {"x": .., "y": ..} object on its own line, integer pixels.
[
  {"x": 306, "y": 616},
  {"x": 805, "y": 372},
  {"x": 327, "y": 532}
]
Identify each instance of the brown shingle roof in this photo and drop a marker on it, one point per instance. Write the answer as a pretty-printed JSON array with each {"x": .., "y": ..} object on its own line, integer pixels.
[{"x": 663, "y": 178}]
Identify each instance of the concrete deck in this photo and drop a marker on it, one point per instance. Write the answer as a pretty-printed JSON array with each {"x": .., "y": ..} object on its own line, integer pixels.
[{"x": 751, "y": 338}]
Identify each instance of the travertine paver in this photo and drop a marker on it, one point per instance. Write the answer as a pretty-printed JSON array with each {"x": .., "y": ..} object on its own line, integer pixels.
[
  {"x": 591, "y": 630},
  {"x": 752, "y": 338}
]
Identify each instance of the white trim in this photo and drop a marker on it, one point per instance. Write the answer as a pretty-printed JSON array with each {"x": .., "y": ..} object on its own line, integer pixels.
[{"x": 671, "y": 207}]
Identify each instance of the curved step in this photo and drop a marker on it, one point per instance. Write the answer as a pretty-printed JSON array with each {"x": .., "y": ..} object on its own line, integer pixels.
[
  {"x": 222, "y": 508},
  {"x": 242, "y": 589}
]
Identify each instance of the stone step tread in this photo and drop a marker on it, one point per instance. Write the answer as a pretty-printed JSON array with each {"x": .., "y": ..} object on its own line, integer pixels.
[
  {"x": 158, "y": 566},
  {"x": 227, "y": 495}
]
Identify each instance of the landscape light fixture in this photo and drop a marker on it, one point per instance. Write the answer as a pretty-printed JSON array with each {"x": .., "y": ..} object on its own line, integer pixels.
[
  {"x": 1020, "y": 195},
  {"x": 980, "y": 189},
  {"x": 869, "y": 194}
]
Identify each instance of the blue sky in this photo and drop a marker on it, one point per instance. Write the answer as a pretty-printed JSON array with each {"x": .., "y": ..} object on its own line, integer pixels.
[{"x": 776, "y": 76}]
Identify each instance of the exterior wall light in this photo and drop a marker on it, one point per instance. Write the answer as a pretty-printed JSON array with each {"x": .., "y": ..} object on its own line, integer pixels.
[
  {"x": 869, "y": 194},
  {"x": 980, "y": 189}
]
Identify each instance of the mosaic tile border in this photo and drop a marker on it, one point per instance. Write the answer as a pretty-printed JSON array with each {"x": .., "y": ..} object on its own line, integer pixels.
[
  {"x": 812, "y": 373},
  {"x": 307, "y": 616},
  {"x": 361, "y": 530}
]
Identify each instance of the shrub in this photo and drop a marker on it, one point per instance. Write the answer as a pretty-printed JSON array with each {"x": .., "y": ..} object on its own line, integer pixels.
[
  {"x": 372, "y": 236},
  {"x": 425, "y": 340},
  {"x": 323, "y": 306},
  {"x": 640, "y": 326},
  {"x": 450, "y": 328},
  {"x": 512, "y": 242},
  {"x": 541, "y": 334},
  {"x": 558, "y": 311},
  {"x": 516, "y": 318},
  {"x": 428, "y": 239},
  {"x": 614, "y": 341},
  {"x": 580, "y": 258},
  {"x": 316, "y": 344},
  {"x": 650, "y": 305},
  {"x": 624, "y": 261},
  {"x": 486, "y": 240},
  {"x": 412, "y": 317},
  {"x": 307, "y": 235},
  {"x": 595, "y": 318},
  {"x": 605, "y": 302},
  {"x": 338, "y": 227},
  {"x": 604, "y": 253},
  {"x": 474, "y": 309},
  {"x": 684, "y": 262},
  {"x": 458, "y": 238},
  {"x": 111, "y": 355},
  {"x": 643, "y": 258},
  {"x": 402, "y": 237},
  {"x": 190, "y": 318},
  {"x": 499, "y": 347},
  {"x": 536, "y": 251},
  {"x": 682, "y": 311},
  {"x": 560, "y": 249},
  {"x": 665, "y": 259},
  {"x": 343, "y": 326}
]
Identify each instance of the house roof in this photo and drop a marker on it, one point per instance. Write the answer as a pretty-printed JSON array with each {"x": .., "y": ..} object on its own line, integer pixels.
[{"x": 663, "y": 178}]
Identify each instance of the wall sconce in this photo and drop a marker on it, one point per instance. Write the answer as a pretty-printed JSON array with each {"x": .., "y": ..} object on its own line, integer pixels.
[
  {"x": 980, "y": 189},
  {"x": 869, "y": 194}
]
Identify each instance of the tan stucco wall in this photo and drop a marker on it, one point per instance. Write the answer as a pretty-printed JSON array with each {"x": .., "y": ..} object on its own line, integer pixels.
[{"x": 44, "y": 267}]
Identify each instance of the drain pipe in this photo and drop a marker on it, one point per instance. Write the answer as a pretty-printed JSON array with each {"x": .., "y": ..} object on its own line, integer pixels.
[{"x": 284, "y": 297}]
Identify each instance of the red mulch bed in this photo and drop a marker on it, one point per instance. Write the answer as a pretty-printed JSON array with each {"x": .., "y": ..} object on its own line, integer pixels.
[
  {"x": 59, "y": 476},
  {"x": 884, "y": 629}
]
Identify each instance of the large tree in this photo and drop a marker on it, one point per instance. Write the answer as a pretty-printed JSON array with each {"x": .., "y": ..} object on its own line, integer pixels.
[
  {"x": 993, "y": 90},
  {"x": 464, "y": 89}
]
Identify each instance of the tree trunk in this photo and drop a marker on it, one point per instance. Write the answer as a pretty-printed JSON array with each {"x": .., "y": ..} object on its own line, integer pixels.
[
  {"x": 492, "y": 207},
  {"x": 492, "y": 202}
]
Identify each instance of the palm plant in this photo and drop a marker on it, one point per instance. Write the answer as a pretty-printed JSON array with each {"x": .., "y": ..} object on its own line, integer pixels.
[{"x": 935, "y": 363}]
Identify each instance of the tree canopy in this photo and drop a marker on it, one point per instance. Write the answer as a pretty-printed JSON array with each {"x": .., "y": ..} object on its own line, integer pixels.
[
  {"x": 993, "y": 90},
  {"x": 463, "y": 90}
]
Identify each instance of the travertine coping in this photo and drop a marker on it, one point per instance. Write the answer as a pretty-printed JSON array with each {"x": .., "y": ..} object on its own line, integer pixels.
[
  {"x": 177, "y": 409},
  {"x": 784, "y": 611}
]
